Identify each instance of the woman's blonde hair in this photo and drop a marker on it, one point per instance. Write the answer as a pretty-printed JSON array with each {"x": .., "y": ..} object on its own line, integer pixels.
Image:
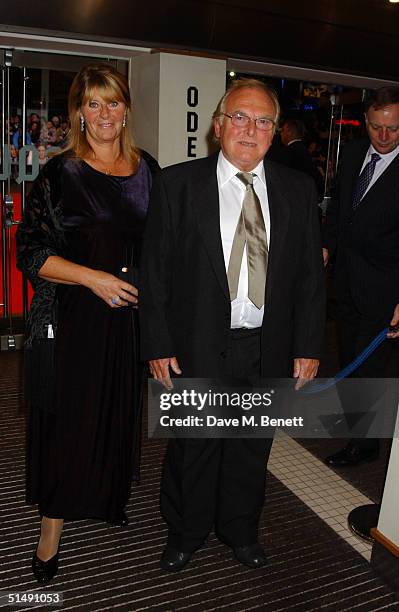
[{"x": 110, "y": 85}]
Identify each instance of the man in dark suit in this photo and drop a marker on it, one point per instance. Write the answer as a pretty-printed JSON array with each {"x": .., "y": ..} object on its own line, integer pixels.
[
  {"x": 292, "y": 133},
  {"x": 293, "y": 153},
  {"x": 362, "y": 232},
  {"x": 209, "y": 311}
]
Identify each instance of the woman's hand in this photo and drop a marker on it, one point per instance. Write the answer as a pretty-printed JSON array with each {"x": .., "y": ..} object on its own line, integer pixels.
[{"x": 114, "y": 291}]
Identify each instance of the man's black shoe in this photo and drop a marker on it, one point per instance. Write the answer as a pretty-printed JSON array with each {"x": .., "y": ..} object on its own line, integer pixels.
[
  {"x": 174, "y": 560},
  {"x": 252, "y": 556},
  {"x": 351, "y": 455}
]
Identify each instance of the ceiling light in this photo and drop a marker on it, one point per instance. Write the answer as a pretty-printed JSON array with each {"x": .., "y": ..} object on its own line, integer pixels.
[{"x": 393, "y": 1}]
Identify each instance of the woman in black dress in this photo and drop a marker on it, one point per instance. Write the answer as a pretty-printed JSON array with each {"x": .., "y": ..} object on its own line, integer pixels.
[{"x": 81, "y": 231}]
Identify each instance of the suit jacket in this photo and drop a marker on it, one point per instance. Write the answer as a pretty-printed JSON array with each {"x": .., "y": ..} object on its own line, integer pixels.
[
  {"x": 296, "y": 156},
  {"x": 300, "y": 159},
  {"x": 184, "y": 296},
  {"x": 365, "y": 241}
]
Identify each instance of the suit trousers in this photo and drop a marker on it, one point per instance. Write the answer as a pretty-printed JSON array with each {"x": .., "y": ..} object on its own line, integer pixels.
[
  {"x": 356, "y": 330},
  {"x": 218, "y": 483}
]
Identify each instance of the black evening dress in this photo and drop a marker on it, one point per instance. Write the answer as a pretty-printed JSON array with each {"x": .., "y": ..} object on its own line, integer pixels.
[{"x": 83, "y": 444}]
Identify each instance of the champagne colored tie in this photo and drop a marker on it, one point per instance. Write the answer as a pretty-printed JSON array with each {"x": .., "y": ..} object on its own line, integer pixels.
[{"x": 251, "y": 232}]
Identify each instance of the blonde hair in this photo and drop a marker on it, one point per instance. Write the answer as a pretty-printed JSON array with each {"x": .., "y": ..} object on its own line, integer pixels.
[
  {"x": 111, "y": 85},
  {"x": 247, "y": 84}
]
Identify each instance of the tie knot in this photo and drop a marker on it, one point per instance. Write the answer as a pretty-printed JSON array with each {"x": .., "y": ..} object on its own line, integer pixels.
[
  {"x": 375, "y": 157},
  {"x": 246, "y": 177}
]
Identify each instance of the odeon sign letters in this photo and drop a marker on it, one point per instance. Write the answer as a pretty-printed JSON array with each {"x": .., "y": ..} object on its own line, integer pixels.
[{"x": 23, "y": 165}]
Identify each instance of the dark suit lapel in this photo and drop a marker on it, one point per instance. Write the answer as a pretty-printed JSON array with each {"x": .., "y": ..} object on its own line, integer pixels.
[
  {"x": 389, "y": 173},
  {"x": 279, "y": 210},
  {"x": 357, "y": 160},
  {"x": 206, "y": 206}
]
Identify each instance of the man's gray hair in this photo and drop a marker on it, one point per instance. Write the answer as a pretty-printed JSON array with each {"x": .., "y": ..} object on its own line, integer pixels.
[{"x": 247, "y": 84}]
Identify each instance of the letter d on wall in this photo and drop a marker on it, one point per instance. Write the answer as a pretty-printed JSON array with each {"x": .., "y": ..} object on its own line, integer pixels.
[{"x": 192, "y": 121}]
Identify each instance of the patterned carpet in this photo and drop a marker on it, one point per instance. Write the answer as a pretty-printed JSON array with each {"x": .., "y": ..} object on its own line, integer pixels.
[{"x": 104, "y": 568}]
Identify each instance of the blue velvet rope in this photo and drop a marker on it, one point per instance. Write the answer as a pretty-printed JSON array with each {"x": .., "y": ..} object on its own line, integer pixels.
[{"x": 317, "y": 387}]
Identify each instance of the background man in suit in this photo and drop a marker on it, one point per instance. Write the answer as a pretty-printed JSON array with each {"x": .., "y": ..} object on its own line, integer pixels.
[
  {"x": 207, "y": 311},
  {"x": 294, "y": 154},
  {"x": 292, "y": 133},
  {"x": 362, "y": 231}
]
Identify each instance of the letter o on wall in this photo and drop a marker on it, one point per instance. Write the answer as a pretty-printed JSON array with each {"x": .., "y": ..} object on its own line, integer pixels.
[{"x": 192, "y": 96}]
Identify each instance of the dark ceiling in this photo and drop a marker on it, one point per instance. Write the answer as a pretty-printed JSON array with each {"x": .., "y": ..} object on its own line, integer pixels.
[{"x": 353, "y": 36}]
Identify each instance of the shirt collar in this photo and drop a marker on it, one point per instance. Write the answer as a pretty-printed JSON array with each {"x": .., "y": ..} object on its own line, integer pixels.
[
  {"x": 385, "y": 156},
  {"x": 226, "y": 171}
]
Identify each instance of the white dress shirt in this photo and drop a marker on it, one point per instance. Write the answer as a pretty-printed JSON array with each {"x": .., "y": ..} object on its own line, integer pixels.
[
  {"x": 231, "y": 196},
  {"x": 381, "y": 165}
]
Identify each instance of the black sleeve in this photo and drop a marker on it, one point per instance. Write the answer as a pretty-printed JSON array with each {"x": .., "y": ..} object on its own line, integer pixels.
[
  {"x": 155, "y": 276},
  {"x": 40, "y": 234},
  {"x": 310, "y": 297}
]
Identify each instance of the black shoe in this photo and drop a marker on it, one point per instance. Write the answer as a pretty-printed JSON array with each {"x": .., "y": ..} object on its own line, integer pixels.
[
  {"x": 362, "y": 519},
  {"x": 351, "y": 455},
  {"x": 119, "y": 521},
  {"x": 44, "y": 571},
  {"x": 174, "y": 560},
  {"x": 252, "y": 556}
]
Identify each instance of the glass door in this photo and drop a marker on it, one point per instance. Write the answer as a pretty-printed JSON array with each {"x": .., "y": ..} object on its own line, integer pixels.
[
  {"x": 345, "y": 123},
  {"x": 34, "y": 122}
]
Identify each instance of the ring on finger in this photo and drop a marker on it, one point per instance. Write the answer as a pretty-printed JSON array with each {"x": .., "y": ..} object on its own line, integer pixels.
[{"x": 115, "y": 300}]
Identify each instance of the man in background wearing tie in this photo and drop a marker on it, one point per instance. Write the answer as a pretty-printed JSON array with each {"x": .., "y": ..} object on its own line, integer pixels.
[
  {"x": 362, "y": 232},
  {"x": 231, "y": 286}
]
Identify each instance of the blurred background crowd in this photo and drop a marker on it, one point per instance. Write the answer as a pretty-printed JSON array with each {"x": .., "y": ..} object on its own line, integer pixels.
[{"x": 41, "y": 132}]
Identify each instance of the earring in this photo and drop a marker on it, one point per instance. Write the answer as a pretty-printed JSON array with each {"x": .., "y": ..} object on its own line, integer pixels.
[
  {"x": 124, "y": 120},
  {"x": 82, "y": 123}
]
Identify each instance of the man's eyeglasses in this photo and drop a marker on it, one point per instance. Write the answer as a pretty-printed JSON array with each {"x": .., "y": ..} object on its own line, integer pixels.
[{"x": 241, "y": 120}]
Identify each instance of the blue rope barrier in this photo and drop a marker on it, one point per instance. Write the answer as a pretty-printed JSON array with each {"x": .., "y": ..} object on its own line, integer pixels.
[{"x": 317, "y": 387}]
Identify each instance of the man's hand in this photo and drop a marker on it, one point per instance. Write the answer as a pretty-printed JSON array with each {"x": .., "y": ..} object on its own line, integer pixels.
[
  {"x": 159, "y": 369},
  {"x": 394, "y": 321},
  {"x": 304, "y": 370},
  {"x": 326, "y": 256}
]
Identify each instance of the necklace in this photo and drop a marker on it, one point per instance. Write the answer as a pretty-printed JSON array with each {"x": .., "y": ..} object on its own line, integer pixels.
[{"x": 108, "y": 167}]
